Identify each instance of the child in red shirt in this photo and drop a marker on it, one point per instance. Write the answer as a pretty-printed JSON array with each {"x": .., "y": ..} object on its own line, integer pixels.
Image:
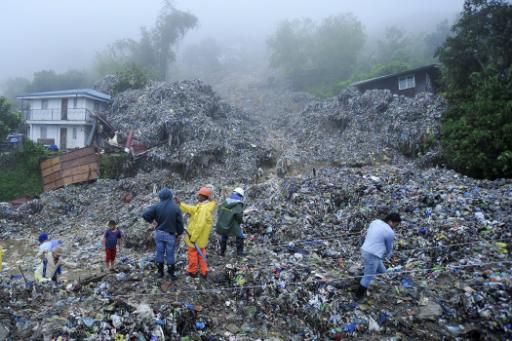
[{"x": 110, "y": 242}]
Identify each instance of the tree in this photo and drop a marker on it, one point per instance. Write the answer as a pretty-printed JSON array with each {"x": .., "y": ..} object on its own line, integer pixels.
[
  {"x": 321, "y": 52},
  {"x": 131, "y": 77},
  {"x": 9, "y": 120},
  {"x": 477, "y": 59},
  {"x": 290, "y": 46},
  {"x": 434, "y": 40},
  {"x": 338, "y": 42},
  {"x": 154, "y": 51},
  {"x": 204, "y": 56},
  {"x": 395, "y": 47},
  {"x": 170, "y": 28},
  {"x": 14, "y": 87},
  {"x": 49, "y": 80}
]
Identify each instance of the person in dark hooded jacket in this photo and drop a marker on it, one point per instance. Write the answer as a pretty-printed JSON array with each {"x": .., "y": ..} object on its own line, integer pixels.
[
  {"x": 169, "y": 226},
  {"x": 229, "y": 218}
]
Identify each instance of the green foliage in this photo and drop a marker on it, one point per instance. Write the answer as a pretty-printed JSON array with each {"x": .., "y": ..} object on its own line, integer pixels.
[
  {"x": 395, "y": 47},
  {"x": 111, "y": 165},
  {"x": 477, "y": 60},
  {"x": 154, "y": 51},
  {"x": 20, "y": 173},
  {"x": 131, "y": 77},
  {"x": 46, "y": 80},
  {"x": 329, "y": 89},
  {"x": 435, "y": 40},
  {"x": 393, "y": 66},
  {"x": 9, "y": 120},
  {"x": 314, "y": 53},
  {"x": 14, "y": 87}
]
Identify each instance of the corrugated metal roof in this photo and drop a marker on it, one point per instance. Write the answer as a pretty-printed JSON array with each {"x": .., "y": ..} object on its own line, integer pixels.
[
  {"x": 432, "y": 66},
  {"x": 91, "y": 93}
]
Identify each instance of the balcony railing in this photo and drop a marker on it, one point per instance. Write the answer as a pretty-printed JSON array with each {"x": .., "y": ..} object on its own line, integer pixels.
[{"x": 74, "y": 114}]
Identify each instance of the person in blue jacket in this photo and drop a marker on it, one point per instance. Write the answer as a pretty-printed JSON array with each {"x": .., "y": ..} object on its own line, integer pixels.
[{"x": 169, "y": 226}]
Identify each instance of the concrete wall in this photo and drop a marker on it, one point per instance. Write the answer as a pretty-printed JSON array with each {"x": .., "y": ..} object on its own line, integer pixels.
[
  {"x": 53, "y": 132},
  {"x": 89, "y": 104}
]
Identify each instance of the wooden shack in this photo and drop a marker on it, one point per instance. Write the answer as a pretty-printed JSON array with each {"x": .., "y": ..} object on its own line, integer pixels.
[
  {"x": 408, "y": 83},
  {"x": 73, "y": 167}
]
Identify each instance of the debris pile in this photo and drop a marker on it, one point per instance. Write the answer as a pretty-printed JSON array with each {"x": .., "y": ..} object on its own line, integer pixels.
[
  {"x": 362, "y": 129},
  {"x": 449, "y": 277},
  {"x": 187, "y": 127}
]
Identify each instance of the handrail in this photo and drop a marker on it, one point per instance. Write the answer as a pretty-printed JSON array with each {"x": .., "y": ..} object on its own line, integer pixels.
[{"x": 55, "y": 114}]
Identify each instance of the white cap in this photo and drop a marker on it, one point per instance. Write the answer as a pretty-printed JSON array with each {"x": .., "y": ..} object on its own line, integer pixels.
[{"x": 239, "y": 190}]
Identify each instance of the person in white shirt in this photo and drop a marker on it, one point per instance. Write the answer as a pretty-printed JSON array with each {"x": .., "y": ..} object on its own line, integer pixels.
[
  {"x": 50, "y": 267},
  {"x": 378, "y": 245}
]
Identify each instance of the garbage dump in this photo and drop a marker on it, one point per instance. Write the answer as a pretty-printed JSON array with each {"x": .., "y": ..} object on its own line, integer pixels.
[
  {"x": 362, "y": 129},
  {"x": 187, "y": 127},
  {"x": 449, "y": 277}
]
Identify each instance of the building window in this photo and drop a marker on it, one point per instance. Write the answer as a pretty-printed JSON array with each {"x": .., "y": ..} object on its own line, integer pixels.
[
  {"x": 75, "y": 102},
  {"x": 406, "y": 82},
  {"x": 96, "y": 106},
  {"x": 74, "y": 133},
  {"x": 44, "y": 104},
  {"x": 44, "y": 133}
]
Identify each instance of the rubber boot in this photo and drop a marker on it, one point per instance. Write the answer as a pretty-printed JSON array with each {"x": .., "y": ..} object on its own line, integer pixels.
[
  {"x": 170, "y": 271},
  {"x": 239, "y": 246},
  {"x": 360, "y": 292},
  {"x": 223, "y": 245},
  {"x": 160, "y": 267}
]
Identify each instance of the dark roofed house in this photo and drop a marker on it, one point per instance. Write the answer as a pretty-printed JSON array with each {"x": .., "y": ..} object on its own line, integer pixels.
[{"x": 407, "y": 83}]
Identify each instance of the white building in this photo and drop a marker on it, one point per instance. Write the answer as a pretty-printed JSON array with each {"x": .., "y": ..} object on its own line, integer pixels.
[{"x": 64, "y": 118}]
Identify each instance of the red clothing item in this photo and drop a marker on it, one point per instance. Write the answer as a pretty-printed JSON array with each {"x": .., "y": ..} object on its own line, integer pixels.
[
  {"x": 110, "y": 254},
  {"x": 194, "y": 259}
]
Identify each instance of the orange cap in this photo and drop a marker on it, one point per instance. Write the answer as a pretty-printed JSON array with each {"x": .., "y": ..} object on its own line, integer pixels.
[{"x": 205, "y": 191}]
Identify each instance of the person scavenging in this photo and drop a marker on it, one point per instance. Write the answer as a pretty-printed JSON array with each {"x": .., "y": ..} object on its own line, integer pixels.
[
  {"x": 46, "y": 245},
  {"x": 199, "y": 228},
  {"x": 52, "y": 268},
  {"x": 112, "y": 246},
  {"x": 168, "y": 221},
  {"x": 229, "y": 219},
  {"x": 377, "y": 246}
]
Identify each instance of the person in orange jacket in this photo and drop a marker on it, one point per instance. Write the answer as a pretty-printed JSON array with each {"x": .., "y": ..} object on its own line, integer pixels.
[{"x": 199, "y": 227}]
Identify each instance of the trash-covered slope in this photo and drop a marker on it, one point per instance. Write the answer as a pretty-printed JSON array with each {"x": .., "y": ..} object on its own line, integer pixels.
[
  {"x": 187, "y": 127},
  {"x": 341, "y": 164},
  {"x": 358, "y": 129},
  {"x": 450, "y": 272}
]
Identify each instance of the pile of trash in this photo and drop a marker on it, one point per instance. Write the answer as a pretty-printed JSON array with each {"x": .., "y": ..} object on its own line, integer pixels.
[
  {"x": 361, "y": 129},
  {"x": 333, "y": 168},
  {"x": 186, "y": 127},
  {"x": 450, "y": 275}
]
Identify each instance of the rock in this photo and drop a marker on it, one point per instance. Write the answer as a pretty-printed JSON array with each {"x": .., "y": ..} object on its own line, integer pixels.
[{"x": 430, "y": 311}]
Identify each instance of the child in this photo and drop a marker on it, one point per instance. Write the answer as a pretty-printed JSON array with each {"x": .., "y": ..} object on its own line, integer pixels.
[
  {"x": 110, "y": 242},
  {"x": 199, "y": 228},
  {"x": 50, "y": 269}
]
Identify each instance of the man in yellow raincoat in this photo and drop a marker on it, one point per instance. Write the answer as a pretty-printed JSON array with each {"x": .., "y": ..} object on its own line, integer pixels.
[{"x": 199, "y": 227}]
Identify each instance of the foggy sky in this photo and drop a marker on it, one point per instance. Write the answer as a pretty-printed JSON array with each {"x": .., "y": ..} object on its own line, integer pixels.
[{"x": 66, "y": 34}]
